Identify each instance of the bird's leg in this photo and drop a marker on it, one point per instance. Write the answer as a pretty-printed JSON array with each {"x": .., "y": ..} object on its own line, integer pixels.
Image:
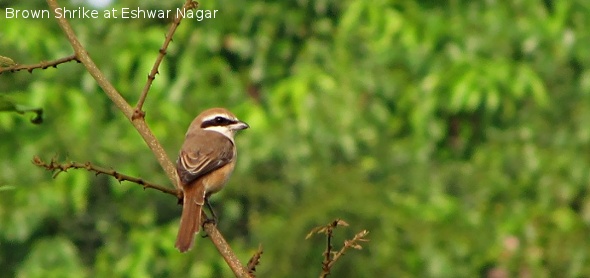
[
  {"x": 207, "y": 219},
  {"x": 214, "y": 220}
]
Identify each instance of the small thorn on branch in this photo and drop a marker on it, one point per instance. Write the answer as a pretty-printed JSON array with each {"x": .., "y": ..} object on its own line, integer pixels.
[
  {"x": 254, "y": 261},
  {"x": 138, "y": 114}
]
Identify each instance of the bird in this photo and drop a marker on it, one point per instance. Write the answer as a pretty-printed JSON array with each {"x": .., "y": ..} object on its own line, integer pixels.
[{"x": 205, "y": 162}]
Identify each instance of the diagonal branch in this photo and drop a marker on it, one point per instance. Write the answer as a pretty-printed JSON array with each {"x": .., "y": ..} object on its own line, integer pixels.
[
  {"x": 57, "y": 168},
  {"x": 225, "y": 250},
  {"x": 139, "y": 113},
  {"x": 41, "y": 65},
  {"x": 114, "y": 95},
  {"x": 145, "y": 133}
]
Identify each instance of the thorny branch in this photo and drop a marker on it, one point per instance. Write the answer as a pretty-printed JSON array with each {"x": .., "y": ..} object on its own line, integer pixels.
[
  {"x": 353, "y": 243},
  {"x": 139, "y": 113},
  {"x": 41, "y": 65},
  {"x": 330, "y": 257},
  {"x": 254, "y": 261},
  {"x": 57, "y": 168}
]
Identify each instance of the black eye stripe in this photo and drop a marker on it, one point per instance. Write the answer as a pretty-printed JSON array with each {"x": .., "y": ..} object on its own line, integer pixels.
[{"x": 217, "y": 121}]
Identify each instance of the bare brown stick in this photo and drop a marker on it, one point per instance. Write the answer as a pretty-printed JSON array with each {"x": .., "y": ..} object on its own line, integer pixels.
[
  {"x": 254, "y": 261},
  {"x": 329, "y": 256},
  {"x": 139, "y": 113},
  {"x": 145, "y": 133},
  {"x": 353, "y": 243},
  {"x": 57, "y": 168},
  {"x": 228, "y": 255},
  {"x": 41, "y": 65},
  {"x": 328, "y": 252}
]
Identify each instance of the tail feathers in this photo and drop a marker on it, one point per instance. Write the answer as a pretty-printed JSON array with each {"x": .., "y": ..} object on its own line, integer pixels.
[{"x": 190, "y": 222}]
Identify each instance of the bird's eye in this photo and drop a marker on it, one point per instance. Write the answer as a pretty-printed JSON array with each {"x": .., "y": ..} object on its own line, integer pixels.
[{"x": 219, "y": 120}]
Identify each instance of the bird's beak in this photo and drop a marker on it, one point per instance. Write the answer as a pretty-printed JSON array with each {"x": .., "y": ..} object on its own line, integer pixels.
[{"x": 240, "y": 125}]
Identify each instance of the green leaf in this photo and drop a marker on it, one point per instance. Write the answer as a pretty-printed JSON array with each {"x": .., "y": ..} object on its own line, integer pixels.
[
  {"x": 6, "y": 62},
  {"x": 7, "y": 105}
]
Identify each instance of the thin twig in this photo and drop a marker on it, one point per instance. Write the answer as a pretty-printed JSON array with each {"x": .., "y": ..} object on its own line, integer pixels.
[
  {"x": 353, "y": 243},
  {"x": 57, "y": 168},
  {"x": 139, "y": 113},
  {"x": 328, "y": 251},
  {"x": 254, "y": 261},
  {"x": 329, "y": 256},
  {"x": 41, "y": 65}
]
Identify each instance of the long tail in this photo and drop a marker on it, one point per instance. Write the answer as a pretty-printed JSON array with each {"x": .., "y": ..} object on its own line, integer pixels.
[{"x": 190, "y": 221}]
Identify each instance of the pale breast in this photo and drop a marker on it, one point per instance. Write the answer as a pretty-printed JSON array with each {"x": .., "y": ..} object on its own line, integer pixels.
[{"x": 215, "y": 180}]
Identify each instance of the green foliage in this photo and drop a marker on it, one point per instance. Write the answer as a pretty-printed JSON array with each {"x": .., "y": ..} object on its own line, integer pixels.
[
  {"x": 6, "y": 62},
  {"x": 455, "y": 132},
  {"x": 8, "y": 105}
]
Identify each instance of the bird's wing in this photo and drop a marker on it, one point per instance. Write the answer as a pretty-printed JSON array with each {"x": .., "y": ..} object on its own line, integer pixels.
[{"x": 199, "y": 156}]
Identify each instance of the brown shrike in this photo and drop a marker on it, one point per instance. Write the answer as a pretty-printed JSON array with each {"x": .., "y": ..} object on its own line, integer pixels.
[{"x": 206, "y": 160}]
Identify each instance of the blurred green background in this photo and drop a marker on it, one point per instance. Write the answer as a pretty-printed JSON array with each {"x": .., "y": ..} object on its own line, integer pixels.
[{"x": 456, "y": 132}]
